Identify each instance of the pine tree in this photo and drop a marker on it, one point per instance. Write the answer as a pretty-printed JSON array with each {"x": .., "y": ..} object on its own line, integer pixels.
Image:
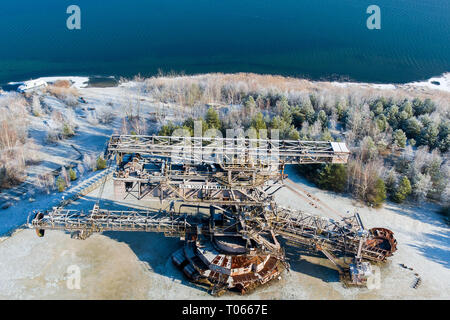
[
  {"x": 399, "y": 138},
  {"x": 212, "y": 119},
  {"x": 333, "y": 177},
  {"x": 403, "y": 190},
  {"x": 377, "y": 193},
  {"x": 249, "y": 105},
  {"x": 72, "y": 174},
  {"x": 413, "y": 128},
  {"x": 167, "y": 129},
  {"x": 323, "y": 118},
  {"x": 60, "y": 184},
  {"x": 101, "y": 163}
]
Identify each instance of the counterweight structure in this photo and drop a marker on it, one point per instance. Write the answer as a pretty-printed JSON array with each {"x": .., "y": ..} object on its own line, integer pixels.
[{"x": 231, "y": 242}]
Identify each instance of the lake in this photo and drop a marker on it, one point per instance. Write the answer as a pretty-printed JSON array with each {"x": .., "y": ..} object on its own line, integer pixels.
[{"x": 320, "y": 39}]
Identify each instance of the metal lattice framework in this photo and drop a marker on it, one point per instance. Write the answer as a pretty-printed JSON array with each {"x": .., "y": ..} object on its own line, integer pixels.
[
  {"x": 192, "y": 185},
  {"x": 99, "y": 220},
  {"x": 231, "y": 152},
  {"x": 235, "y": 175},
  {"x": 319, "y": 232},
  {"x": 242, "y": 171},
  {"x": 296, "y": 226}
]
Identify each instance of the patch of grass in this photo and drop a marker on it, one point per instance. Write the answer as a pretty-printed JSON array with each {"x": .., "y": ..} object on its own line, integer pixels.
[
  {"x": 72, "y": 175},
  {"x": 101, "y": 163},
  {"x": 60, "y": 184},
  {"x": 67, "y": 131}
]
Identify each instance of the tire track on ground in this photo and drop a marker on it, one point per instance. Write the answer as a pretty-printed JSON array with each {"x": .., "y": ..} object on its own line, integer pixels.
[{"x": 310, "y": 199}]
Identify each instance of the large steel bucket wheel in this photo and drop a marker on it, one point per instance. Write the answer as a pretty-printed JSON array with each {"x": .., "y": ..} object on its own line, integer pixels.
[{"x": 384, "y": 239}]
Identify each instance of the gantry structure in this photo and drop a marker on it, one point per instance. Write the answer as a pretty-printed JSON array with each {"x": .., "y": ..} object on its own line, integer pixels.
[
  {"x": 232, "y": 240},
  {"x": 222, "y": 171}
]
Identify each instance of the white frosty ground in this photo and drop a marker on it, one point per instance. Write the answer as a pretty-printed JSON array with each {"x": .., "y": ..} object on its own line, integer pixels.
[
  {"x": 90, "y": 138},
  {"x": 128, "y": 265},
  {"x": 443, "y": 80},
  {"x": 78, "y": 82}
]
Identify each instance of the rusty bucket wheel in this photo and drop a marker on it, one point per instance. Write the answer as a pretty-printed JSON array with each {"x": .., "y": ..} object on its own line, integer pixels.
[
  {"x": 40, "y": 232},
  {"x": 384, "y": 239}
]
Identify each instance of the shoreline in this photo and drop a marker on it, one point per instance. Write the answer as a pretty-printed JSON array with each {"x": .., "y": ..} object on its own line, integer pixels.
[{"x": 439, "y": 83}]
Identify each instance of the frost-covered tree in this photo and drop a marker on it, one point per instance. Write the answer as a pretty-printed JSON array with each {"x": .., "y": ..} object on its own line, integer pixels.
[
  {"x": 250, "y": 106},
  {"x": 444, "y": 136},
  {"x": 36, "y": 108},
  {"x": 368, "y": 149},
  {"x": 392, "y": 116},
  {"x": 381, "y": 122},
  {"x": 65, "y": 175},
  {"x": 422, "y": 186},
  {"x": 413, "y": 128},
  {"x": 323, "y": 118},
  {"x": 429, "y": 134},
  {"x": 306, "y": 112},
  {"x": 407, "y": 108},
  {"x": 391, "y": 180},
  {"x": 316, "y": 130}
]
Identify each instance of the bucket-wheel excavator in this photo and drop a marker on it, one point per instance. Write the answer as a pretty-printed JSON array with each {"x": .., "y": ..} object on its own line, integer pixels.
[{"x": 220, "y": 194}]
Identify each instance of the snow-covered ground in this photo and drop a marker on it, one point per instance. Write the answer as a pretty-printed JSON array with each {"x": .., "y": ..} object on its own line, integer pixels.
[
  {"x": 435, "y": 83},
  {"x": 90, "y": 138},
  {"x": 125, "y": 265},
  {"x": 77, "y": 82},
  {"x": 441, "y": 83}
]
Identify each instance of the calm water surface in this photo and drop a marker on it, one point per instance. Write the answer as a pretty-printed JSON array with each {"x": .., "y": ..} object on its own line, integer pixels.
[{"x": 320, "y": 39}]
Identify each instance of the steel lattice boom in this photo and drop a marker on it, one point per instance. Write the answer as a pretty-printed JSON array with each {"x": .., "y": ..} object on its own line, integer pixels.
[
  {"x": 231, "y": 151},
  {"x": 301, "y": 228},
  {"x": 99, "y": 220},
  {"x": 338, "y": 237}
]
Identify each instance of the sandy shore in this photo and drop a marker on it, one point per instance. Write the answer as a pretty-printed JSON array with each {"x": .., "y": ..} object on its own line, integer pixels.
[{"x": 440, "y": 83}]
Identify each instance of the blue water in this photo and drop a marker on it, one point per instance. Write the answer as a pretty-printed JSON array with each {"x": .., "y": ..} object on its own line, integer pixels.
[{"x": 317, "y": 39}]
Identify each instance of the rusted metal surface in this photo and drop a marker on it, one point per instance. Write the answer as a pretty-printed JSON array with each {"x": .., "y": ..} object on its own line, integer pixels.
[
  {"x": 383, "y": 239},
  {"x": 262, "y": 261},
  {"x": 235, "y": 246},
  {"x": 234, "y": 272}
]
